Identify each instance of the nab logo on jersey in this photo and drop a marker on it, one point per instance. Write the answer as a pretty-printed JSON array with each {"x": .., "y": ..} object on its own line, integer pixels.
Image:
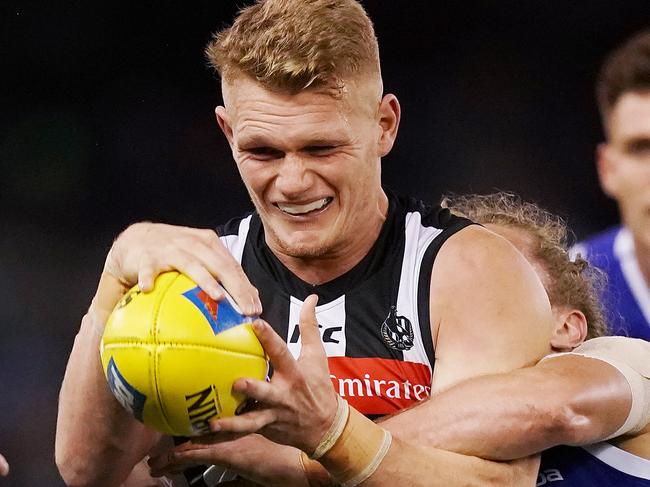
[
  {"x": 397, "y": 331},
  {"x": 547, "y": 476}
]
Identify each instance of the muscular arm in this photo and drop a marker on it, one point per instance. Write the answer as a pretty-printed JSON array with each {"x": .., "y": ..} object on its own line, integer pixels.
[
  {"x": 567, "y": 400},
  {"x": 489, "y": 310},
  {"x": 97, "y": 441}
]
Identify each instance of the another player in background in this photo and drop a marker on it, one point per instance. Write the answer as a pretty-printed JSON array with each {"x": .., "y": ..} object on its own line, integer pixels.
[
  {"x": 623, "y": 252},
  {"x": 577, "y": 398}
]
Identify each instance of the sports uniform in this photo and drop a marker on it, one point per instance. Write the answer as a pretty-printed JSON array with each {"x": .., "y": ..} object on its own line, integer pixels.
[
  {"x": 374, "y": 319},
  {"x": 601, "y": 464},
  {"x": 626, "y": 297}
]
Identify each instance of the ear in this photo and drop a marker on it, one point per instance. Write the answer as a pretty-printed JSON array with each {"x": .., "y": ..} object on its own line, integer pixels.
[
  {"x": 606, "y": 169},
  {"x": 570, "y": 329},
  {"x": 224, "y": 123},
  {"x": 389, "y": 116}
]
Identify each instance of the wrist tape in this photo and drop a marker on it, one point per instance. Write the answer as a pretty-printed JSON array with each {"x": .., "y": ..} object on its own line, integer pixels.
[{"x": 357, "y": 453}]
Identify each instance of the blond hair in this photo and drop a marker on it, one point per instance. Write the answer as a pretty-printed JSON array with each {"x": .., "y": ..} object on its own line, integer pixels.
[
  {"x": 291, "y": 45},
  {"x": 572, "y": 283}
]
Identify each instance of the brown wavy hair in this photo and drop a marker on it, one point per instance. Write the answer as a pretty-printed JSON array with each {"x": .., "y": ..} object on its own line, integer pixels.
[{"x": 570, "y": 282}]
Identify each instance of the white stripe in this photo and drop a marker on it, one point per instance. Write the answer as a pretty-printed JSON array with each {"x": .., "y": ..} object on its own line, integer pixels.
[
  {"x": 620, "y": 459},
  {"x": 624, "y": 251},
  {"x": 418, "y": 239},
  {"x": 235, "y": 243}
]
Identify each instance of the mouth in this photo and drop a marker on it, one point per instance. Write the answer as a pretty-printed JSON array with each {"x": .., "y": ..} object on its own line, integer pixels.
[{"x": 306, "y": 209}]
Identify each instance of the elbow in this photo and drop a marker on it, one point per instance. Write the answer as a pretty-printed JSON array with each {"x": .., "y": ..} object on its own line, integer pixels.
[
  {"x": 75, "y": 468},
  {"x": 565, "y": 425}
]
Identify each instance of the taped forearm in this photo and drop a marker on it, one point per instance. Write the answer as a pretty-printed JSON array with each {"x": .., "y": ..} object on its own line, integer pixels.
[
  {"x": 364, "y": 454},
  {"x": 97, "y": 441}
]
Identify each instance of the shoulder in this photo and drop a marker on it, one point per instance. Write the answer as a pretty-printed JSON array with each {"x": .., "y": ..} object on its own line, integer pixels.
[{"x": 477, "y": 265}]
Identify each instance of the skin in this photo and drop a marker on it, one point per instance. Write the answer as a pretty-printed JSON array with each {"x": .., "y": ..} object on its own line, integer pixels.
[
  {"x": 590, "y": 401},
  {"x": 292, "y": 151},
  {"x": 299, "y": 149},
  {"x": 624, "y": 168},
  {"x": 4, "y": 466}
]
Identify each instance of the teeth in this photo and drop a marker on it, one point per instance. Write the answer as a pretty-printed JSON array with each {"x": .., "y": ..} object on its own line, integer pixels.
[{"x": 302, "y": 209}]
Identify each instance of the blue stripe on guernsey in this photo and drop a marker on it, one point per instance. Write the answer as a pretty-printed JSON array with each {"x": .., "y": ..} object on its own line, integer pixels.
[
  {"x": 221, "y": 316},
  {"x": 602, "y": 464},
  {"x": 130, "y": 398},
  {"x": 626, "y": 296}
]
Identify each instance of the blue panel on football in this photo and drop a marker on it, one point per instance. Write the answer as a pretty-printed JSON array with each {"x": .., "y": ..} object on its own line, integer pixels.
[
  {"x": 132, "y": 399},
  {"x": 221, "y": 316}
]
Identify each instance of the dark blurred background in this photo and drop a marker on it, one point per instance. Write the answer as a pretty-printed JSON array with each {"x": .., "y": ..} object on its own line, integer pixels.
[{"x": 107, "y": 118}]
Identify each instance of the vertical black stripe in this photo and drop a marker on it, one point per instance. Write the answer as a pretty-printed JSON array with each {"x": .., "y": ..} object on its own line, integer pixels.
[{"x": 424, "y": 283}]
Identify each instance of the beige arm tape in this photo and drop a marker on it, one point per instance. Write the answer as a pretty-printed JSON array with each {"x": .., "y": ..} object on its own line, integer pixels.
[
  {"x": 631, "y": 357},
  {"x": 358, "y": 452}
]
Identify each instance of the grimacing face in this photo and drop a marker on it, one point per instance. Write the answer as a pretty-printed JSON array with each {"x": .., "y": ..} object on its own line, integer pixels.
[
  {"x": 624, "y": 162},
  {"x": 311, "y": 163}
]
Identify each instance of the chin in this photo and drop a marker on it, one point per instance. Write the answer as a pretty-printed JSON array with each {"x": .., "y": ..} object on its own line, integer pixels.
[{"x": 303, "y": 248}]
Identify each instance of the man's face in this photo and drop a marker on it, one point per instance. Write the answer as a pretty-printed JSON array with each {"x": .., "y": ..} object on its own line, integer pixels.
[
  {"x": 624, "y": 162},
  {"x": 311, "y": 164}
]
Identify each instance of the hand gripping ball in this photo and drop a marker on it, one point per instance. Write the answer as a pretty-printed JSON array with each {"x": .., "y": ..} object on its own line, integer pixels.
[{"x": 172, "y": 355}]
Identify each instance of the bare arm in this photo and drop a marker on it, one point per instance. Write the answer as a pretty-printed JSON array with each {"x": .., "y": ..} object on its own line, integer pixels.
[
  {"x": 97, "y": 441},
  {"x": 489, "y": 310},
  {"x": 567, "y": 400}
]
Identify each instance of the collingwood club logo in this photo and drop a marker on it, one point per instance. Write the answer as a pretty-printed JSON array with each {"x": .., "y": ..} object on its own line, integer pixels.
[{"x": 397, "y": 331}]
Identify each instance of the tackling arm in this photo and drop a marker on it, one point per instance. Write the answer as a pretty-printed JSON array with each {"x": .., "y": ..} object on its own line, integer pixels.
[{"x": 567, "y": 400}]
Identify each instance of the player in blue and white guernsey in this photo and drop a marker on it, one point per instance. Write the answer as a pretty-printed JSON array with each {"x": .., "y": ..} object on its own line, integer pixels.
[
  {"x": 408, "y": 303},
  {"x": 623, "y": 252}
]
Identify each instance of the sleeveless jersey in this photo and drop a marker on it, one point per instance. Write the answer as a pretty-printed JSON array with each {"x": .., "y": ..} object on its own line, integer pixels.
[
  {"x": 601, "y": 464},
  {"x": 626, "y": 297},
  {"x": 374, "y": 319}
]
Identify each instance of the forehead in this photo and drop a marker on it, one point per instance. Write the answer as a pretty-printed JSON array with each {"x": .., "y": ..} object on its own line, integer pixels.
[
  {"x": 253, "y": 109},
  {"x": 630, "y": 117},
  {"x": 256, "y": 112}
]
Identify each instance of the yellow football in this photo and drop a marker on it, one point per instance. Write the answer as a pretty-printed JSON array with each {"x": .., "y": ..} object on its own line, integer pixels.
[{"x": 172, "y": 355}]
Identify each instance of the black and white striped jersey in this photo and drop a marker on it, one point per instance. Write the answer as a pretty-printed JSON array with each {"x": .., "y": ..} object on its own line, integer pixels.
[{"x": 374, "y": 319}]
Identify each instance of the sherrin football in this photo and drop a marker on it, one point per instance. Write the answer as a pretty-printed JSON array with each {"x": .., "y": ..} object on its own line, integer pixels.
[{"x": 172, "y": 355}]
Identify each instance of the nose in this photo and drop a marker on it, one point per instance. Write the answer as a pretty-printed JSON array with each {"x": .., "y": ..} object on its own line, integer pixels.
[{"x": 294, "y": 177}]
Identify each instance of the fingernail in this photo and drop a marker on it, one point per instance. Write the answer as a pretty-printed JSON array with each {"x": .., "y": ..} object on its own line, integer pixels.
[
  {"x": 215, "y": 427},
  {"x": 216, "y": 293}
]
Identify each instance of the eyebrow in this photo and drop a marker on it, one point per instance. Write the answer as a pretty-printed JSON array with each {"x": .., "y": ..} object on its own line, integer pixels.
[
  {"x": 638, "y": 142},
  {"x": 249, "y": 142}
]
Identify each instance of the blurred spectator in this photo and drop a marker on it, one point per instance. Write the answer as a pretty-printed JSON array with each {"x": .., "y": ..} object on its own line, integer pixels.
[{"x": 623, "y": 251}]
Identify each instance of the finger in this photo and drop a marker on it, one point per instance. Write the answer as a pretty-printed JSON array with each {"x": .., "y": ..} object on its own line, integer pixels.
[
  {"x": 264, "y": 392},
  {"x": 244, "y": 424},
  {"x": 193, "y": 265},
  {"x": 4, "y": 466},
  {"x": 274, "y": 346},
  {"x": 309, "y": 334},
  {"x": 147, "y": 273},
  {"x": 223, "y": 265}
]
